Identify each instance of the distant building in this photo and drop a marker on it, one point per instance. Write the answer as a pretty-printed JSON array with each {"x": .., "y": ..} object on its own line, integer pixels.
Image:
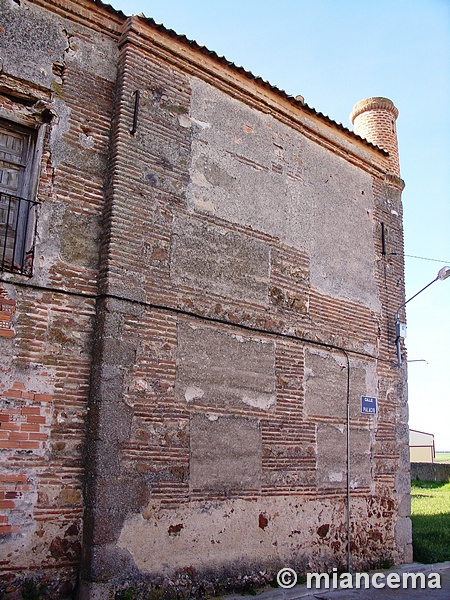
[
  {"x": 199, "y": 275},
  {"x": 421, "y": 446}
]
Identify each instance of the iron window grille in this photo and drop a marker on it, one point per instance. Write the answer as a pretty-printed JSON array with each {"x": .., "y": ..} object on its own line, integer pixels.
[{"x": 17, "y": 233}]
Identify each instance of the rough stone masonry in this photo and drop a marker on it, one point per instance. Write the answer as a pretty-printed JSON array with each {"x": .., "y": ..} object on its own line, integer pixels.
[{"x": 204, "y": 288}]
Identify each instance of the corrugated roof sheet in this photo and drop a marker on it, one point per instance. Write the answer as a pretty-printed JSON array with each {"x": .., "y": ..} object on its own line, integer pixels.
[{"x": 223, "y": 61}]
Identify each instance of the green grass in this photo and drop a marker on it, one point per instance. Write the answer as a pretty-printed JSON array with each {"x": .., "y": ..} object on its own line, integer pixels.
[
  {"x": 430, "y": 515},
  {"x": 442, "y": 457}
]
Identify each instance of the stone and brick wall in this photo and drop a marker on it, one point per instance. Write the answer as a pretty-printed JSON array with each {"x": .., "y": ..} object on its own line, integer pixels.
[
  {"x": 58, "y": 78},
  {"x": 430, "y": 471},
  {"x": 174, "y": 395}
]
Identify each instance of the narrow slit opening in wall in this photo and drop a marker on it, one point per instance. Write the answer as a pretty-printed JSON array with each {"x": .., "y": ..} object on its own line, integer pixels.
[{"x": 383, "y": 239}]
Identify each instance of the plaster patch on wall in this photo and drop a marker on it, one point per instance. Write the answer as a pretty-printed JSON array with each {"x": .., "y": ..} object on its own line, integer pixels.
[
  {"x": 217, "y": 533},
  {"x": 59, "y": 128},
  {"x": 184, "y": 121},
  {"x": 228, "y": 533},
  {"x": 256, "y": 401},
  {"x": 193, "y": 393}
]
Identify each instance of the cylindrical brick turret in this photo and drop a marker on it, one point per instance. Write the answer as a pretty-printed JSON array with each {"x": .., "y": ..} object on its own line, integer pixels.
[{"x": 374, "y": 119}]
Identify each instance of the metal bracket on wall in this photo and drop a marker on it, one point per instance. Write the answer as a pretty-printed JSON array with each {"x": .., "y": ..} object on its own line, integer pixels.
[{"x": 137, "y": 95}]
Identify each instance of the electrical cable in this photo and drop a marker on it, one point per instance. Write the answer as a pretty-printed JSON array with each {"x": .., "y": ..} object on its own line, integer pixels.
[
  {"x": 444, "y": 262},
  {"x": 188, "y": 313}
]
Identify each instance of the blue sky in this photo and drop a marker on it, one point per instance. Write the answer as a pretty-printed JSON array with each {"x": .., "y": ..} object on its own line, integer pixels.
[{"x": 335, "y": 53}]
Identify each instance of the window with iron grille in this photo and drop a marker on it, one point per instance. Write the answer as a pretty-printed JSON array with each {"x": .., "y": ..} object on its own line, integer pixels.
[{"x": 17, "y": 202}]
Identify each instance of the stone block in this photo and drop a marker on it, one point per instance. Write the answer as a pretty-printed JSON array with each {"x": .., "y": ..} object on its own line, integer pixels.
[
  {"x": 332, "y": 456},
  {"x": 95, "y": 591},
  {"x": 226, "y": 453},
  {"x": 326, "y": 385},
  {"x": 403, "y": 532},
  {"x": 221, "y": 369},
  {"x": 404, "y": 508},
  {"x": 106, "y": 562},
  {"x": 118, "y": 352},
  {"x": 219, "y": 261}
]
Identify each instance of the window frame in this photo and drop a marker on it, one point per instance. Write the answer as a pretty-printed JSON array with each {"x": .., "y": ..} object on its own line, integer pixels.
[{"x": 19, "y": 259}]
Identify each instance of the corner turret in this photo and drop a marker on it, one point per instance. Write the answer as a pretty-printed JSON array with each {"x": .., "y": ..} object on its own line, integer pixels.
[{"x": 374, "y": 119}]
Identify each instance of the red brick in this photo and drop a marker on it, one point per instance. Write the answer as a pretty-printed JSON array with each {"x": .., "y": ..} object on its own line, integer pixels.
[
  {"x": 4, "y": 529},
  {"x": 18, "y": 435},
  {"x": 10, "y": 426},
  {"x": 30, "y": 445},
  {"x": 13, "y": 478},
  {"x": 35, "y": 419},
  {"x": 38, "y": 437},
  {"x": 7, "y": 302},
  {"x": 31, "y": 410},
  {"x": 12, "y": 495},
  {"x": 8, "y": 333},
  {"x": 43, "y": 398},
  {"x": 35, "y": 427},
  {"x": 12, "y": 394},
  {"x": 5, "y": 444}
]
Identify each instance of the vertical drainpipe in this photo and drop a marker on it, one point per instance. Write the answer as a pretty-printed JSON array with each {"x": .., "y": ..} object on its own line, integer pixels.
[{"x": 348, "y": 507}]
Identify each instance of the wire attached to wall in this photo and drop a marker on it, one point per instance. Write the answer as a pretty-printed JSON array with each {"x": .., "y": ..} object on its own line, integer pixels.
[{"x": 446, "y": 262}]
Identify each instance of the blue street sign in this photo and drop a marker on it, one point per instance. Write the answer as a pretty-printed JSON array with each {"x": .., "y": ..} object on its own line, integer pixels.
[{"x": 368, "y": 405}]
